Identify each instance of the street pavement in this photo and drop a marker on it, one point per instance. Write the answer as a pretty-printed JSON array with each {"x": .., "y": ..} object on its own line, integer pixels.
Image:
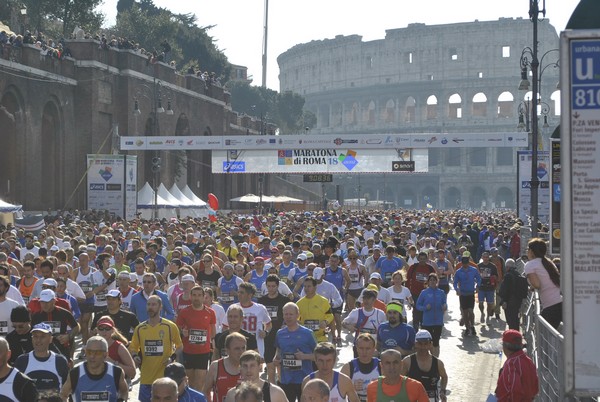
[{"x": 472, "y": 373}]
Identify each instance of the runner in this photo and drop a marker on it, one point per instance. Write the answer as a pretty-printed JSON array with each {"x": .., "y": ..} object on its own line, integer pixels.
[
  {"x": 466, "y": 279},
  {"x": 224, "y": 374},
  {"x": 395, "y": 333},
  {"x": 227, "y": 287},
  {"x": 250, "y": 370},
  {"x": 198, "y": 326},
  {"x": 338, "y": 276},
  {"x": 315, "y": 312},
  {"x": 432, "y": 302},
  {"x": 364, "y": 368},
  {"x": 487, "y": 289},
  {"x": 365, "y": 319},
  {"x": 392, "y": 385}
]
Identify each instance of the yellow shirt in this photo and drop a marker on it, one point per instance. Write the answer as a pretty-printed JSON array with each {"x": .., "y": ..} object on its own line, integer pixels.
[
  {"x": 312, "y": 312},
  {"x": 154, "y": 344}
]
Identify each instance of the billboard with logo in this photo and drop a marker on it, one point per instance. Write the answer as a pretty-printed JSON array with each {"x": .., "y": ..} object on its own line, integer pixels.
[
  {"x": 319, "y": 161},
  {"x": 111, "y": 184},
  {"x": 524, "y": 185}
]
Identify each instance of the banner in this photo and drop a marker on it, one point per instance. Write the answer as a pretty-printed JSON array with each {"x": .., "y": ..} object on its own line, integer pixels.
[
  {"x": 524, "y": 185},
  {"x": 318, "y": 161},
  {"x": 326, "y": 141},
  {"x": 111, "y": 184}
]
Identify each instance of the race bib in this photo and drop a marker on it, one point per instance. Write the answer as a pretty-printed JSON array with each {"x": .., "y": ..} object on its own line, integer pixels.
[
  {"x": 198, "y": 336},
  {"x": 3, "y": 327},
  {"x": 96, "y": 396},
  {"x": 226, "y": 298},
  {"x": 153, "y": 348},
  {"x": 421, "y": 277},
  {"x": 101, "y": 296},
  {"x": 388, "y": 276},
  {"x": 208, "y": 284},
  {"x": 272, "y": 311},
  {"x": 55, "y": 327},
  {"x": 354, "y": 278},
  {"x": 290, "y": 362},
  {"x": 312, "y": 325},
  {"x": 368, "y": 331},
  {"x": 86, "y": 287}
]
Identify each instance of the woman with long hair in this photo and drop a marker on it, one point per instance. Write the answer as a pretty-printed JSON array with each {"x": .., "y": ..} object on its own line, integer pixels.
[
  {"x": 117, "y": 346},
  {"x": 543, "y": 275}
]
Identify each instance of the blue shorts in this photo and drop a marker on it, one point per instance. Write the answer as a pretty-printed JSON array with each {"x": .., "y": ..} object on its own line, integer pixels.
[
  {"x": 486, "y": 295},
  {"x": 145, "y": 394}
]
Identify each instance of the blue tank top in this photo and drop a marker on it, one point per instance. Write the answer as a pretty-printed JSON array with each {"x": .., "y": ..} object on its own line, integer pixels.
[
  {"x": 102, "y": 390},
  {"x": 336, "y": 278},
  {"x": 444, "y": 266},
  {"x": 284, "y": 271},
  {"x": 334, "y": 391},
  {"x": 228, "y": 286},
  {"x": 258, "y": 281}
]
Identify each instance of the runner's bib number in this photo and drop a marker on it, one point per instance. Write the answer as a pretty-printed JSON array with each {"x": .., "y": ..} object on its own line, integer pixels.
[
  {"x": 272, "y": 311},
  {"x": 55, "y": 327},
  {"x": 226, "y": 298},
  {"x": 312, "y": 325},
  {"x": 290, "y": 362},
  {"x": 153, "y": 348},
  {"x": 421, "y": 277},
  {"x": 198, "y": 336},
  {"x": 354, "y": 278},
  {"x": 99, "y": 396},
  {"x": 3, "y": 327}
]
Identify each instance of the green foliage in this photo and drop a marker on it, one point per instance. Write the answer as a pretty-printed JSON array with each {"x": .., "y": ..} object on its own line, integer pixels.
[
  {"x": 150, "y": 26},
  {"x": 285, "y": 110},
  {"x": 43, "y": 16}
]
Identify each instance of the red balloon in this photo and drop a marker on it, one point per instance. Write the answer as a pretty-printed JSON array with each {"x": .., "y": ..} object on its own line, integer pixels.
[{"x": 213, "y": 201}]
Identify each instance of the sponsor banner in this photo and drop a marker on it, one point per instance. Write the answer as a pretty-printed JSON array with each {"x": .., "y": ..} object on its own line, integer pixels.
[
  {"x": 319, "y": 161},
  {"x": 524, "y": 185},
  {"x": 325, "y": 141},
  {"x": 111, "y": 184}
]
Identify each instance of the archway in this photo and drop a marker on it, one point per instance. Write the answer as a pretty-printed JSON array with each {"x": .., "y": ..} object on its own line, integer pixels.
[
  {"x": 506, "y": 102},
  {"x": 430, "y": 196},
  {"x": 9, "y": 162},
  {"x": 432, "y": 107},
  {"x": 505, "y": 198},
  {"x": 478, "y": 198},
  {"x": 479, "y": 105},
  {"x": 51, "y": 156},
  {"x": 454, "y": 106},
  {"x": 409, "y": 110},
  {"x": 452, "y": 198}
]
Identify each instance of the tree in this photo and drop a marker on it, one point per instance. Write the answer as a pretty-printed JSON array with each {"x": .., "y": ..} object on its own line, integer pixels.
[{"x": 43, "y": 13}]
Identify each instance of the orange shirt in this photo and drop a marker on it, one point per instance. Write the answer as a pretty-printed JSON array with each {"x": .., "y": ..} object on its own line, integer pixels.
[
  {"x": 414, "y": 390},
  {"x": 380, "y": 305}
]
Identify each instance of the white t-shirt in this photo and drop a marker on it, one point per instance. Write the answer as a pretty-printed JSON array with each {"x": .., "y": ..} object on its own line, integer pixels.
[
  {"x": 256, "y": 317},
  {"x": 400, "y": 297},
  {"x": 548, "y": 291},
  {"x": 283, "y": 289},
  {"x": 6, "y": 308},
  {"x": 370, "y": 321},
  {"x": 220, "y": 314},
  {"x": 383, "y": 295}
]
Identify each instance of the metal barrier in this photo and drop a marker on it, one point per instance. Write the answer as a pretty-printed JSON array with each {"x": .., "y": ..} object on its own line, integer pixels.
[{"x": 545, "y": 347}]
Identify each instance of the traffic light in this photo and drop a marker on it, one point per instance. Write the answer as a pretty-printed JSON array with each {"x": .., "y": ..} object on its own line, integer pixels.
[{"x": 156, "y": 164}]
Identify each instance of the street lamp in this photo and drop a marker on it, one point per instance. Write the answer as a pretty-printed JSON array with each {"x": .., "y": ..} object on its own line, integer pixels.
[
  {"x": 533, "y": 65},
  {"x": 156, "y": 94}
]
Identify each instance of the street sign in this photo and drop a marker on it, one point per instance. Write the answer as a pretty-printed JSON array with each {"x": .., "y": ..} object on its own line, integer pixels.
[{"x": 580, "y": 208}]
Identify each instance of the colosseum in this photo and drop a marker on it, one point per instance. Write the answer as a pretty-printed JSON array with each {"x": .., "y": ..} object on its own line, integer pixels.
[{"x": 454, "y": 78}]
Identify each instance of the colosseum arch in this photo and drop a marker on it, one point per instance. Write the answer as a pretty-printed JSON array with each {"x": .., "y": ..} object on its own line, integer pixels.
[
  {"x": 455, "y": 106},
  {"x": 407, "y": 198},
  {"x": 432, "y": 107},
  {"x": 452, "y": 198},
  {"x": 506, "y": 102},
  {"x": 410, "y": 110},
  {"x": 480, "y": 102},
  {"x": 10, "y": 122},
  {"x": 371, "y": 109},
  {"x": 51, "y": 153},
  {"x": 353, "y": 114},
  {"x": 478, "y": 198},
  {"x": 505, "y": 198},
  {"x": 390, "y": 111}
]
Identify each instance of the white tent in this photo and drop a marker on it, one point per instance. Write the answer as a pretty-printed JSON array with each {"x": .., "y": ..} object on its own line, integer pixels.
[
  {"x": 187, "y": 191},
  {"x": 167, "y": 196},
  {"x": 189, "y": 207},
  {"x": 6, "y": 207},
  {"x": 146, "y": 205}
]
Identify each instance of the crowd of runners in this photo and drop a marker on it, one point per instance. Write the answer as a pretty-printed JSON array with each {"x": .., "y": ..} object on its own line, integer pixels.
[{"x": 250, "y": 308}]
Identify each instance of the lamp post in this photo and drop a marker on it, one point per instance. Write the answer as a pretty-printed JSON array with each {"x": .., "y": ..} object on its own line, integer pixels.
[
  {"x": 156, "y": 94},
  {"x": 533, "y": 65}
]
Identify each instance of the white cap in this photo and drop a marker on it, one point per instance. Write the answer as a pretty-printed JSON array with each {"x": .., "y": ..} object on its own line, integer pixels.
[
  {"x": 54, "y": 248},
  {"x": 302, "y": 257},
  {"x": 114, "y": 293},
  {"x": 156, "y": 233},
  {"x": 50, "y": 282},
  {"x": 188, "y": 278},
  {"x": 244, "y": 245},
  {"x": 317, "y": 273},
  {"x": 47, "y": 295},
  {"x": 375, "y": 275}
]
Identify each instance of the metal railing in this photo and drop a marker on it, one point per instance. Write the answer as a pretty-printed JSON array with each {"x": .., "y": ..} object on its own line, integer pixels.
[{"x": 545, "y": 347}]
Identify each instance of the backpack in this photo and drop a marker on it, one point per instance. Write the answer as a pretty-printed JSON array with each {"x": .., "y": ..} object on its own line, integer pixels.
[{"x": 521, "y": 286}]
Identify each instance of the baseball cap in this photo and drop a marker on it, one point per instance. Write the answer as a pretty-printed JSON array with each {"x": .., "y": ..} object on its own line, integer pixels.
[
  {"x": 317, "y": 273},
  {"x": 114, "y": 293},
  {"x": 175, "y": 371},
  {"x": 376, "y": 247},
  {"x": 302, "y": 257},
  {"x": 124, "y": 274},
  {"x": 512, "y": 339},
  {"x": 244, "y": 245},
  {"x": 188, "y": 278},
  {"x": 50, "y": 282},
  {"x": 375, "y": 275},
  {"x": 105, "y": 321},
  {"x": 133, "y": 277},
  {"x": 156, "y": 233},
  {"x": 466, "y": 254},
  {"x": 510, "y": 263},
  {"x": 256, "y": 259},
  {"x": 494, "y": 250},
  {"x": 47, "y": 295},
  {"x": 54, "y": 248},
  {"x": 423, "y": 335},
  {"x": 42, "y": 327},
  {"x": 91, "y": 247},
  {"x": 309, "y": 254},
  {"x": 374, "y": 287}
]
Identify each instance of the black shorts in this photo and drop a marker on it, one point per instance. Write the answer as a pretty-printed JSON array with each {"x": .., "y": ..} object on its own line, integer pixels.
[
  {"x": 196, "y": 362},
  {"x": 270, "y": 348},
  {"x": 337, "y": 310},
  {"x": 436, "y": 334},
  {"x": 355, "y": 292},
  {"x": 467, "y": 302},
  {"x": 86, "y": 308}
]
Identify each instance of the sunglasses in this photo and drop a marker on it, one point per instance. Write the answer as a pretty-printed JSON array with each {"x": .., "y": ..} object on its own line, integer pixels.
[
  {"x": 352, "y": 258},
  {"x": 104, "y": 328}
]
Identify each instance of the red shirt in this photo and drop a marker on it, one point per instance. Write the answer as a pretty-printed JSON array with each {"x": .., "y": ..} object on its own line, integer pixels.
[
  {"x": 198, "y": 323},
  {"x": 518, "y": 380},
  {"x": 417, "y": 278}
]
